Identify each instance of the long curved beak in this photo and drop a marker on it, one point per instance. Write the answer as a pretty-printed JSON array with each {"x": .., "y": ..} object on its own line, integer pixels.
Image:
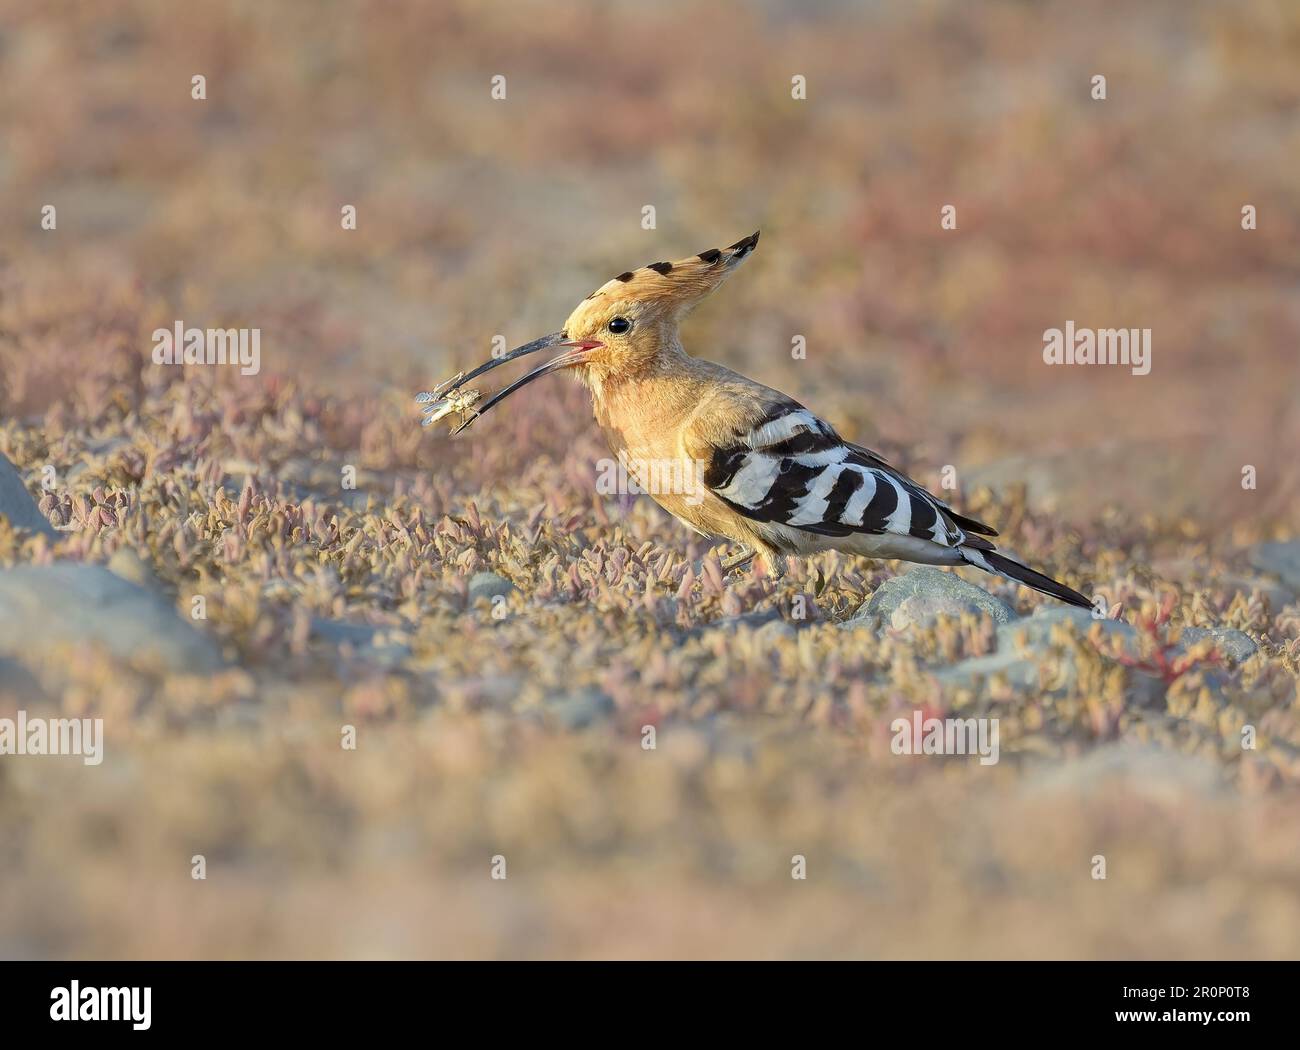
[
  {"x": 581, "y": 348},
  {"x": 545, "y": 342}
]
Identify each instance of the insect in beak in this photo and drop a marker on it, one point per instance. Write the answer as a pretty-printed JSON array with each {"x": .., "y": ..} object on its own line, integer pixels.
[
  {"x": 440, "y": 401},
  {"x": 446, "y": 398}
]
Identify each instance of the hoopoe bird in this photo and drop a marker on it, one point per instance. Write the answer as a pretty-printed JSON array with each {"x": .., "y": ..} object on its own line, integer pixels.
[{"x": 759, "y": 468}]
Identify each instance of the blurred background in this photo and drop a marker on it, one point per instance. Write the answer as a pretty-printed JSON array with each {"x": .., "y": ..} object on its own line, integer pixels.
[{"x": 479, "y": 217}]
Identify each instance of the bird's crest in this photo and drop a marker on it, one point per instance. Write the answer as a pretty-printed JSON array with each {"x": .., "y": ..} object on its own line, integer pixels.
[{"x": 682, "y": 283}]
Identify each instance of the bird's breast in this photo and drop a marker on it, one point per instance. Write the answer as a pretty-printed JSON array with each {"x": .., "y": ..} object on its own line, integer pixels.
[{"x": 650, "y": 453}]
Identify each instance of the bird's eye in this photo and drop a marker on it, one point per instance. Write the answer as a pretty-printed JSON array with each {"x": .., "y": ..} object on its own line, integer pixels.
[{"x": 619, "y": 325}]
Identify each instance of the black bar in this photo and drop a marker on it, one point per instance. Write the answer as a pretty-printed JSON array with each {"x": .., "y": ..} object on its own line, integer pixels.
[{"x": 341, "y": 999}]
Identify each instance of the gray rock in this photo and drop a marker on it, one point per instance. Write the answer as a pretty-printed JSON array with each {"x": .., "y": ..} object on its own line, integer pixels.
[
  {"x": 488, "y": 585},
  {"x": 921, "y": 595},
  {"x": 17, "y": 505},
  {"x": 1235, "y": 645},
  {"x": 126, "y": 563},
  {"x": 767, "y": 625},
  {"x": 1035, "y": 632},
  {"x": 18, "y": 682},
  {"x": 68, "y": 603},
  {"x": 1281, "y": 559},
  {"x": 1041, "y": 671},
  {"x": 771, "y": 633},
  {"x": 753, "y": 619},
  {"x": 363, "y": 638},
  {"x": 1019, "y": 671},
  {"x": 582, "y": 709},
  {"x": 1278, "y": 594},
  {"x": 1025, "y": 644}
]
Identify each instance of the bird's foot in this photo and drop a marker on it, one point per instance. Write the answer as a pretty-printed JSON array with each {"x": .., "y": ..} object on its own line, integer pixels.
[
  {"x": 771, "y": 564},
  {"x": 739, "y": 559}
]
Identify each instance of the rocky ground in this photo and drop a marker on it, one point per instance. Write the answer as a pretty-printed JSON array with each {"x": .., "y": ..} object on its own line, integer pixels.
[
  {"x": 501, "y": 655},
  {"x": 244, "y": 576}
]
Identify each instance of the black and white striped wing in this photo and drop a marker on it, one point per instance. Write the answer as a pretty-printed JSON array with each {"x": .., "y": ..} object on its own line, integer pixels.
[{"x": 792, "y": 469}]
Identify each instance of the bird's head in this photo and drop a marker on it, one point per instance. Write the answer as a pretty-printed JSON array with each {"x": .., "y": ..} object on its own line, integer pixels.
[
  {"x": 630, "y": 319},
  {"x": 624, "y": 326}
]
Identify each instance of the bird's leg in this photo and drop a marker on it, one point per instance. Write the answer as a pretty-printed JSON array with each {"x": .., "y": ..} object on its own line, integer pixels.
[{"x": 772, "y": 563}]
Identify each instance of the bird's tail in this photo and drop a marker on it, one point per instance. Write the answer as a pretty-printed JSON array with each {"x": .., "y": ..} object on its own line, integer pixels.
[{"x": 1001, "y": 565}]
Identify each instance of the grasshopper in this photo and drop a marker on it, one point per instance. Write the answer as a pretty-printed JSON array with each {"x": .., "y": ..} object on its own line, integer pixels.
[{"x": 437, "y": 405}]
